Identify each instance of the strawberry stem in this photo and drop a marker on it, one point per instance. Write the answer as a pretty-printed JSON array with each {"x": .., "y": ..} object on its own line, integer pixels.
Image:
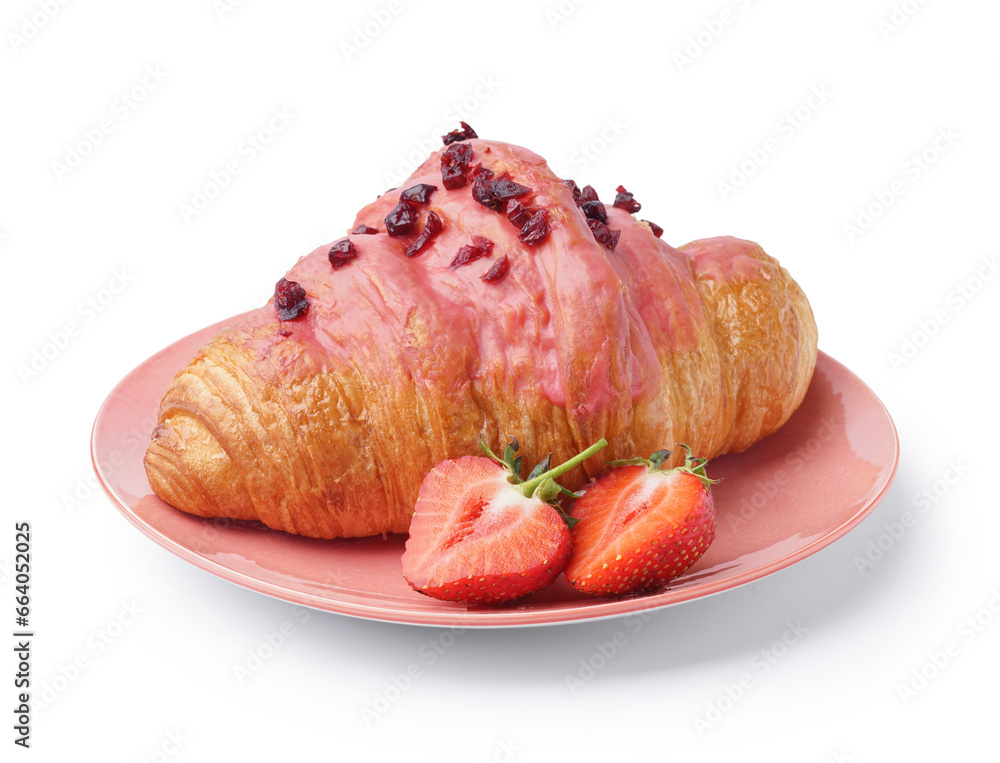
[{"x": 528, "y": 488}]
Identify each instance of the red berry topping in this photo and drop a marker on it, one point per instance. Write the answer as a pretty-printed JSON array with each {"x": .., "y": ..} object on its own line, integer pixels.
[
  {"x": 470, "y": 253},
  {"x": 480, "y": 171},
  {"x": 419, "y": 193},
  {"x": 519, "y": 214},
  {"x": 588, "y": 194},
  {"x": 289, "y": 300},
  {"x": 624, "y": 200},
  {"x": 454, "y": 163},
  {"x": 482, "y": 192},
  {"x": 432, "y": 227},
  {"x": 483, "y": 242},
  {"x": 657, "y": 230},
  {"x": 536, "y": 228},
  {"x": 594, "y": 210},
  {"x": 504, "y": 188},
  {"x": 575, "y": 189},
  {"x": 342, "y": 252},
  {"x": 402, "y": 219},
  {"x": 466, "y": 133},
  {"x": 364, "y": 230},
  {"x": 605, "y": 236},
  {"x": 498, "y": 271}
]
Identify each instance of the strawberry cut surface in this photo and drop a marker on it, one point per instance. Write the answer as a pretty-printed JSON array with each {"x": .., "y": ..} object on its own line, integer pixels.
[
  {"x": 637, "y": 528},
  {"x": 475, "y": 537}
]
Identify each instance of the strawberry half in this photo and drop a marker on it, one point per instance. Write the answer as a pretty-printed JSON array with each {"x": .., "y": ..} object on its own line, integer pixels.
[
  {"x": 481, "y": 534},
  {"x": 639, "y": 526}
]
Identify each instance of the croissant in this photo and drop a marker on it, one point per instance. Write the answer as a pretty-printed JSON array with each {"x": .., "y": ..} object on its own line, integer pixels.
[{"x": 487, "y": 299}]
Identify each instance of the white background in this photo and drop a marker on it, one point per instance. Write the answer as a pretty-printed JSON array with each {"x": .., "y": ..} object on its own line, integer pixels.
[{"x": 865, "y": 104}]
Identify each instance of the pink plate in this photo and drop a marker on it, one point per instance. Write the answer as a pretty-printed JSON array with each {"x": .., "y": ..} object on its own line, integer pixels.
[{"x": 786, "y": 498}]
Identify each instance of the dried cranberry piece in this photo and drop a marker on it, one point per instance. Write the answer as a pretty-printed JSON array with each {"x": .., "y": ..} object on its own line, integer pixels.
[
  {"x": 468, "y": 253},
  {"x": 504, "y": 188},
  {"x": 625, "y": 200},
  {"x": 519, "y": 214},
  {"x": 289, "y": 300},
  {"x": 364, "y": 229},
  {"x": 575, "y": 189},
  {"x": 588, "y": 194},
  {"x": 594, "y": 210},
  {"x": 480, "y": 171},
  {"x": 342, "y": 252},
  {"x": 483, "y": 242},
  {"x": 657, "y": 230},
  {"x": 498, "y": 271},
  {"x": 604, "y": 235},
  {"x": 402, "y": 219},
  {"x": 419, "y": 193},
  {"x": 536, "y": 228},
  {"x": 482, "y": 192},
  {"x": 454, "y": 162},
  {"x": 466, "y": 133},
  {"x": 432, "y": 227}
]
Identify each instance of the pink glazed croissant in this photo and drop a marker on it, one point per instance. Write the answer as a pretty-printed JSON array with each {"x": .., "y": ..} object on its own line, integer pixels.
[{"x": 485, "y": 300}]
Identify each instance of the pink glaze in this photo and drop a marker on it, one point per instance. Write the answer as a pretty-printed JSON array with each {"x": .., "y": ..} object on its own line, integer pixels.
[{"x": 571, "y": 321}]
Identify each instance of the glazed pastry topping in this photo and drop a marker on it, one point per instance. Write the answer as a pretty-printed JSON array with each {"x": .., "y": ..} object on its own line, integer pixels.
[
  {"x": 289, "y": 300},
  {"x": 465, "y": 133},
  {"x": 342, "y": 252},
  {"x": 432, "y": 227},
  {"x": 454, "y": 164},
  {"x": 364, "y": 230},
  {"x": 625, "y": 200},
  {"x": 419, "y": 193}
]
